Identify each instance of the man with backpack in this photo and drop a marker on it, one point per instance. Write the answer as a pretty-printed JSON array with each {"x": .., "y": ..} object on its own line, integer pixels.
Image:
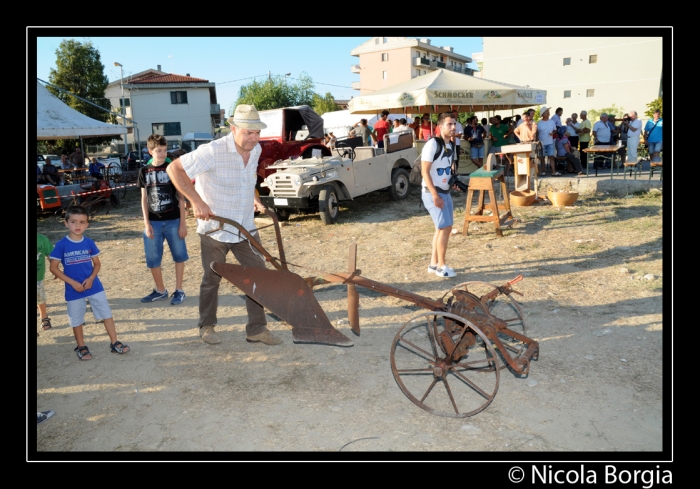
[{"x": 437, "y": 169}]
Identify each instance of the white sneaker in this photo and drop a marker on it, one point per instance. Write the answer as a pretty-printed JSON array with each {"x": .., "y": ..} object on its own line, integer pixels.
[
  {"x": 432, "y": 268},
  {"x": 445, "y": 272}
]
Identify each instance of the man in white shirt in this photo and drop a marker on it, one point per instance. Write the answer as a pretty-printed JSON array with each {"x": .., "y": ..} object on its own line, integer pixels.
[
  {"x": 601, "y": 137},
  {"x": 225, "y": 173},
  {"x": 557, "y": 117},
  {"x": 634, "y": 131},
  {"x": 546, "y": 130},
  {"x": 572, "y": 125}
]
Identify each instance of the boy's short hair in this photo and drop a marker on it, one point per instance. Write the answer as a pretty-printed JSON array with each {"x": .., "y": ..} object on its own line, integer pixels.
[
  {"x": 155, "y": 140},
  {"x": 76, "y": 210}
]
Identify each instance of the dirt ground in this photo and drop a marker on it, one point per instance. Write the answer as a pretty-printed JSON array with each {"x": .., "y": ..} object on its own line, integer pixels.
[{"x": 591, "y": 296}]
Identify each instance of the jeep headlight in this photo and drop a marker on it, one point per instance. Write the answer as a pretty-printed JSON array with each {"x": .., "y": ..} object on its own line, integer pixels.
[{"x": 297, "y": 181}]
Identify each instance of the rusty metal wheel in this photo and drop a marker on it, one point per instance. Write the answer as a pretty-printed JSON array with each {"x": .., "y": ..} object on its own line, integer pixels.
[
  {"x": 466, "y": 298},
  {"x": 456, "y": 385}
]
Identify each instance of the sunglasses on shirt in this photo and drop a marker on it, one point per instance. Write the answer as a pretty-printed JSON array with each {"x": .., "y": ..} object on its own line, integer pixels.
[{"x": 446, "y": 171}]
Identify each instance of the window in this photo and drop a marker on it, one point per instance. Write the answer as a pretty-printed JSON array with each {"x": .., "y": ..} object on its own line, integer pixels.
[
  {"x": 384, "y": 75},
  {"x": 590, "y": 92},
  {"x": 417, "y": 72},
  {"x": 178, "y": 97},
  {"x": 385, "y": 56},
  {"x": 124, "y": 102},
  {"x": 567, "y": 61},
  {"x": 166, "y": 128},
  {"x": 384, "y": 40},
  {"x": 593, "y": 58},
  {"x": 376, "y": 41},
  {"x": 567, "y": 93}
]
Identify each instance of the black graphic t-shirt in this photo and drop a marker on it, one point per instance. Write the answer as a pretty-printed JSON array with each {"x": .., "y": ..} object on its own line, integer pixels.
[{"x": 160, "y": 192}]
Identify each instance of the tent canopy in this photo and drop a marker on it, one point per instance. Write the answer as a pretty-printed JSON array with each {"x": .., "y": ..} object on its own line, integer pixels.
[
  {"x": 445, "y": 90},
  {"x": 56, "y": 120}
]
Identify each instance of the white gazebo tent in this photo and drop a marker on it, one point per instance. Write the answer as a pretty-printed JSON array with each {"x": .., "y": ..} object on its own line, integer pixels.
[
  {"x": 445, "y": 90},
  {"x": 56, "y": 120}
]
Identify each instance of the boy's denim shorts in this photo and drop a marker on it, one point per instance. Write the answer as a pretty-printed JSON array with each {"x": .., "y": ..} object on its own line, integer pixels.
[
  {"x": 548, "y": 150},
  {"x": 78, "y": 307},
  {"x": 164, "y": 231}
]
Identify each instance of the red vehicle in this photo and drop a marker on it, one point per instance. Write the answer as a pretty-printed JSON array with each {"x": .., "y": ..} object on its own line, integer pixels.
[
  {"x": 290, "y": 132},
  {"x": 47, "y": 199}
]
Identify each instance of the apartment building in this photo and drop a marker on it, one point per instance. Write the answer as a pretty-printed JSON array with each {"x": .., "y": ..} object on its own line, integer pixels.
[
  {"x": 579, "y": 73},
  {"x": 386, "y": 61},
  {"x": 165, "y": 103}
]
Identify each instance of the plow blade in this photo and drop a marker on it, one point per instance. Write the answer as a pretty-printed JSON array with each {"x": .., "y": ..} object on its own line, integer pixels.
[{"x": 288, "y": 296}]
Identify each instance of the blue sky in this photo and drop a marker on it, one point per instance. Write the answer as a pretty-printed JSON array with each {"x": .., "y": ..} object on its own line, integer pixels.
[{"x": 233, "y": 62}]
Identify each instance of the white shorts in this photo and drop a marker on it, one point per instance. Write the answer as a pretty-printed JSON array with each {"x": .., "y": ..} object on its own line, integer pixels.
[{"x": 98, "y": 304}]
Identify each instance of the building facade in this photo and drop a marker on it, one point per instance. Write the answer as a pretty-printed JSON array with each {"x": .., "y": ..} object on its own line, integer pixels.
[
  {"x": 579, "y": 73},
  {"x": 386, "y": 61},
  {"x": 164, "y": 103}
]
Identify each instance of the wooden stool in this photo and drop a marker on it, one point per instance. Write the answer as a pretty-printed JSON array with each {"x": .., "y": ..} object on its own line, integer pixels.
[
  {"x": 632, "y": 167},
  {"x": 482, "y": 180},
  {"x": 656, "y": 166}
]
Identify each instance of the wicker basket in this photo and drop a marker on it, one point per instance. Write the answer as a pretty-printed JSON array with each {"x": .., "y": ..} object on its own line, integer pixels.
[
  {"x": 562, "y": 198},
  {"x": 522, "y": 198}
]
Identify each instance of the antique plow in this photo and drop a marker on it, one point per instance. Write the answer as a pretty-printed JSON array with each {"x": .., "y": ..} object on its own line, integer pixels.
[{"x": 446, "y": 361}]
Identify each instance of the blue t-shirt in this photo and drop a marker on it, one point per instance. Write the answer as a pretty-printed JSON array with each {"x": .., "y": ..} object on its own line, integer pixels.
[
  {"x": 76, "y": 258},
  {"x": 656, "y": 136}
]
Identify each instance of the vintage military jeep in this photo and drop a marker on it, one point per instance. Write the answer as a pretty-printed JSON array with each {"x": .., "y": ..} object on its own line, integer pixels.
[{"x": 318, "y": 184}]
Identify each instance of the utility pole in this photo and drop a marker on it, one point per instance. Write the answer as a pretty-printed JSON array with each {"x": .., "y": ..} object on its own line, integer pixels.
[{"x": 123, "y": 111}]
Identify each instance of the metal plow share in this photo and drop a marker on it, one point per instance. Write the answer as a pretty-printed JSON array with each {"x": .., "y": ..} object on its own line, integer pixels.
[{"x": 447, "y": 361}]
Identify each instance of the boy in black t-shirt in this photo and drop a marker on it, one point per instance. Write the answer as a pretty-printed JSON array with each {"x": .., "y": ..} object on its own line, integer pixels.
[{"x": 164, "y": 218}]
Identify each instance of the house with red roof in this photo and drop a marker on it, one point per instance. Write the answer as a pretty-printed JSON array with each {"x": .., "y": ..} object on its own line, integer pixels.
[{"x": 155, "y": 102}]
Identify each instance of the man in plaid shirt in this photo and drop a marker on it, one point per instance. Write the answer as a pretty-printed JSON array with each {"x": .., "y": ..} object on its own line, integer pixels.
[{"x": 225, "y": 173}]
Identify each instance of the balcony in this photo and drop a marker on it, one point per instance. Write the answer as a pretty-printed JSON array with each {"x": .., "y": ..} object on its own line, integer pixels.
[
  {"x": 355, "y": 85},
  {"x": 456, "y": 68},
  {"x": 355, "y": 69},
  {"x": 440, "y": 64},
  {"x": 214, "y": 109},
  {"x": 421, "y": 62}
]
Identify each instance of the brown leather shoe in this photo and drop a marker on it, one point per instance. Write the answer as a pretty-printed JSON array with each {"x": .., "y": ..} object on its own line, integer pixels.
[
  {"x": 209, "y": 335},
  {"x": 264, "y": 337}
]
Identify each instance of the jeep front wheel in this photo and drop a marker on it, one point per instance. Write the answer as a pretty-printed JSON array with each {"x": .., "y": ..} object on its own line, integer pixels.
[
  {"x": 328, "y": 204},
  {"x": 400, "y": 184}
]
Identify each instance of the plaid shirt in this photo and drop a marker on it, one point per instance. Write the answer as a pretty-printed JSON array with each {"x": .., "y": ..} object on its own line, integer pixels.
[{"x": 225, "y": 184}]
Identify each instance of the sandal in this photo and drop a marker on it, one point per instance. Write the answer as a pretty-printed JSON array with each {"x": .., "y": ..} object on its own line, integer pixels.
[
  {"x": 118, "y": 347},
  {"x": 557, "y": 174},
  {"x": 83, "y": 353},
  {"x": 46, "y": 323}
]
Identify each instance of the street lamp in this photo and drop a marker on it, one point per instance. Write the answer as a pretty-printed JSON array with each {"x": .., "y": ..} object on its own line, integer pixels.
[
  {"x": 123, "y": 109},
  {"x": 285, "y": 77}
]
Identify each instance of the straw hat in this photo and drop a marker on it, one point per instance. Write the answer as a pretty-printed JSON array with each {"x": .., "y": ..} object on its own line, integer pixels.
[{"x": 246, "y": 117}]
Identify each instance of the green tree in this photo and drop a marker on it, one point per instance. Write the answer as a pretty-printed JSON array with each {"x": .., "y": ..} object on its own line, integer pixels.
[
  {"x": 594, "y": 115},
  {"x": 653, "y": 105},
  {"x": 276, "y": 92},
  {"x": 80, "y": 71},
  {"x": 321, "y": 105}
]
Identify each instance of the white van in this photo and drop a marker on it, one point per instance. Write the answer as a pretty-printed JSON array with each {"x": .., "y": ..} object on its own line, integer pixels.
[{"x": 193, "y": 140}]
